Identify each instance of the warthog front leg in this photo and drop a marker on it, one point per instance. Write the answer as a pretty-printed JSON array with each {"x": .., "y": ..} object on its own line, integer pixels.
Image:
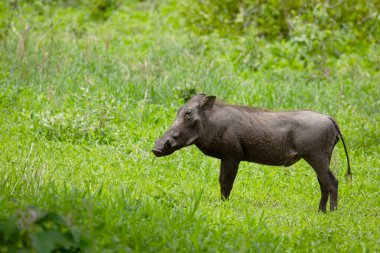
[{"x": 228, "y": 171}]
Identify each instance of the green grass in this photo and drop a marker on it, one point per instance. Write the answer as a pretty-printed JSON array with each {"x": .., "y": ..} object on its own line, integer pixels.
[{"x": 82, "y": 104}]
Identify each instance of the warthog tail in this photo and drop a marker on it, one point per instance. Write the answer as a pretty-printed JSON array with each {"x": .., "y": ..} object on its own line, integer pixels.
[{"x": 348, "y": 173}]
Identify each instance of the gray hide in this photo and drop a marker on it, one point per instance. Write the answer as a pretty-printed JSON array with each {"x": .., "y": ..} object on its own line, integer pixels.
[{"x": 234, "y": 133}]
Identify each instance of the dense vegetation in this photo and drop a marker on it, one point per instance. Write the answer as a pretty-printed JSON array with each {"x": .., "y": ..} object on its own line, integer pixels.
[{"x": 87, "y": 86}]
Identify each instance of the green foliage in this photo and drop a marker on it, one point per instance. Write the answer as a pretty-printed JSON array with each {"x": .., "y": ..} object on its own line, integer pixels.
[
  {"x": 273, "y": 19},
  {"x": 185, "y": 92},
  {"x": 204, "y": 17},
  {"x": 35, "y": 230},
  {"x": 89, "y": 128},
  {"x": 101, "y": 9},
  {"x": 89, "y": 124},
  {"x": 84, "y": 96}
]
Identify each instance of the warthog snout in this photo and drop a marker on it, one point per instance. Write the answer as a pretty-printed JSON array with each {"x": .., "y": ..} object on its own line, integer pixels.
[{"x": 161, "y": 148}]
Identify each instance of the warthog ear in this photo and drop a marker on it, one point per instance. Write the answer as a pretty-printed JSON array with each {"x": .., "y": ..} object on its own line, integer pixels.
[{"x": 207, "y": 102}]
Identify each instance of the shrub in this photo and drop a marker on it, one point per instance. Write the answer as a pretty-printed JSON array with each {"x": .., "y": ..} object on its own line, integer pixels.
[
  {"x": 271, "y": 18},
  {"x": 35, "y": 230}
]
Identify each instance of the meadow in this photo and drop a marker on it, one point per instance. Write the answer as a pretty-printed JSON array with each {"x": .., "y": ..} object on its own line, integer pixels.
[{"x": 87, "y": 87}]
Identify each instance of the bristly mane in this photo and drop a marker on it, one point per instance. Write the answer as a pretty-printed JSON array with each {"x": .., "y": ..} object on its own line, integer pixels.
[{"x": 222, "y": 103}]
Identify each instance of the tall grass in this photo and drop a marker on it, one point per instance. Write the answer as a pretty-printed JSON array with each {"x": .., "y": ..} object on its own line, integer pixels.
[{"x": 83, "y": 102}]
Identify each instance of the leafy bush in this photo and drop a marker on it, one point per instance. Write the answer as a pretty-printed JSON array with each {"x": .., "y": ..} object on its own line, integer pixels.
[
  {"x": 185, "y": 92},
  {"x": 101, "y": 9},
  {"x": 35, "y": 230},
  {"x": 272, "y": 19}
]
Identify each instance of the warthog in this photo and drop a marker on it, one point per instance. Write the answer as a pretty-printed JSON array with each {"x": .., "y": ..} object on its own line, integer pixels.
[{"x": 235, "y": 133}]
